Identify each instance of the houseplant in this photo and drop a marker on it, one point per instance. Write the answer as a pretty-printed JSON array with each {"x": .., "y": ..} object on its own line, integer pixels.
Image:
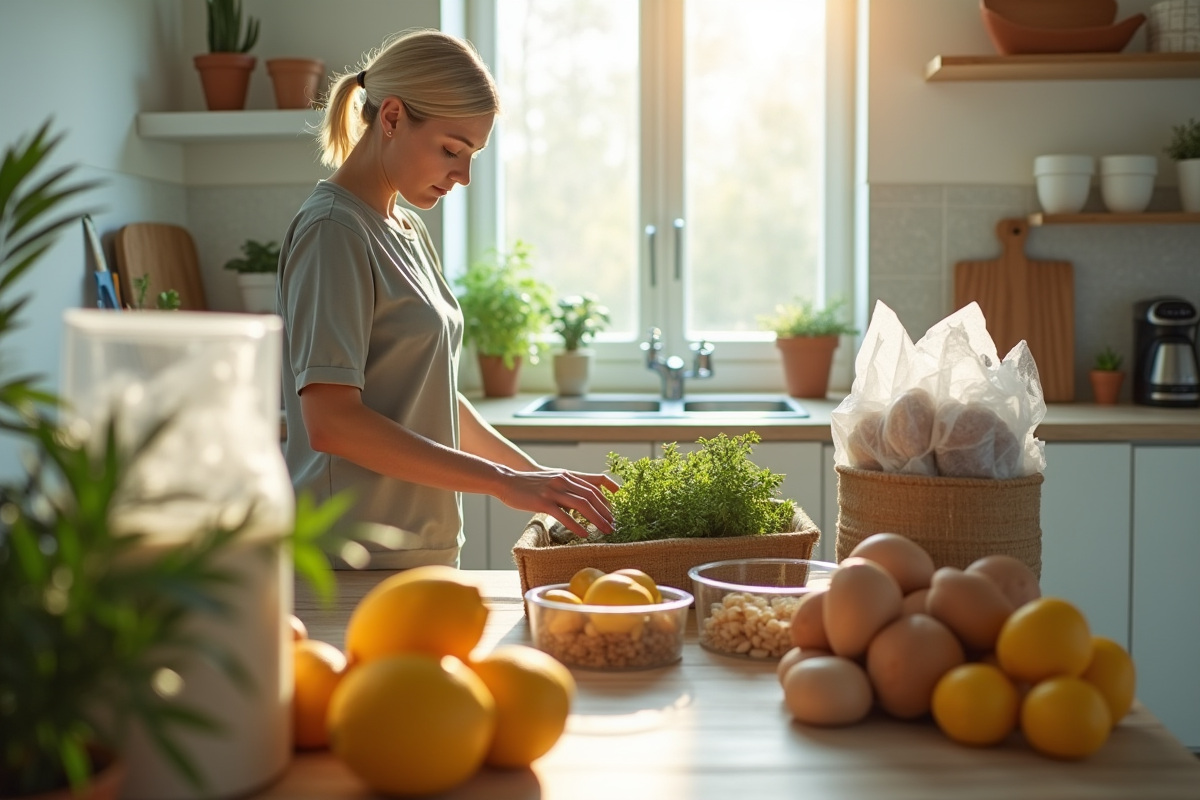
[
  {"x": 807, "y": 337},
  {"x": 1106, "y": 377},
  {"x": 225, "y": 69},
  {"x": 504, "y": 309},
  {"x": 256, "y": 273},
  {"x": 296, "y": 81},
  {"x": 1184, "y": 150},
  {"x": 577, "y": 319}
]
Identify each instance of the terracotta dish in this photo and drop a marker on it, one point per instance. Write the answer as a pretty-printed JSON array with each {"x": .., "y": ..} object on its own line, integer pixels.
[
  {"x": 1011, "y": 39},
  {"x": 1055, "y": 13}
]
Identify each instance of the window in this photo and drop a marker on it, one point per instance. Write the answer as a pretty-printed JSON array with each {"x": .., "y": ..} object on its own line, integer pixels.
[{"x": 670, "y": 157}]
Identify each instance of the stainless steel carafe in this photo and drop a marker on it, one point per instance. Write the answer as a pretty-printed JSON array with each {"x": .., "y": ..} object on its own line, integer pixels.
[{"x": 1166, "y": 372}]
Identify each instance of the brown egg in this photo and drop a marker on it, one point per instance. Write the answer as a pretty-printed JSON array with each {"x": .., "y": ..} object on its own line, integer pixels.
[
  {"x": 1015, "y": 579},
  {"x": 862, "y": 598},
  {"x": 970, "y": 604},
  {"x": 827, "y": 691},
  {"x": 906, "y": 560},
  {"x": 794, "y": 656},
  {"x": 907, "y": 659},
  {"x": 914, "y": 602},
  {"x": 808, "y": 623}
]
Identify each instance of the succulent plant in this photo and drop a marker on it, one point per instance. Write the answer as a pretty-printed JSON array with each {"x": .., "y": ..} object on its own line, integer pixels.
[
  {"x": 1108, "y": 360},
  {"x": 225, "y": 27}
]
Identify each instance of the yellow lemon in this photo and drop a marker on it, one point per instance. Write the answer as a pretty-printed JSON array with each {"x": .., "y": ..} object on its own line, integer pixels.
[
  {"x": 1044, "y": 638},
  {"x": 1065, "y": 717},
  {"x": 644, "y": 579},
  {"x": 975, "y": 704},
  {"x": 1111, "y": 671},
  {"x": 533, "y": 694},
  {"x": 562, "y": 596},
  {"x": 582, "y": 580},
  {"x": 616, "y": 590},
  {"x": 318, "y": 668}
]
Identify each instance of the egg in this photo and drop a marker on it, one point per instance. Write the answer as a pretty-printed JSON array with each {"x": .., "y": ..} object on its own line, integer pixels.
[
  {"x": 861, "y": 599},
  {"x": 970, "y": 604},
  {"x": 794, "y": 656},
  {"x": 914, "y": 602},
  {"x": 808, "y": 623},
  {"x": 1015, "y": 579},
  {"x": 906, "y": 660},
  {"x": 827, "y": 691},
  {"x": 907, "y": 561}
]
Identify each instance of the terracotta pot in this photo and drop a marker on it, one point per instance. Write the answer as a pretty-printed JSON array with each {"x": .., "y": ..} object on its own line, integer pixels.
[
  {"x": 225, "y": 77},
  {"x": 499, "y": 380},
  {"x": 295, "y": 80},
  {"x": 571, "y": 371},
  {"x": 104, "y": 785},
  {"x": 1106, "y": 386},
  {"x": 806, "y": 364}
]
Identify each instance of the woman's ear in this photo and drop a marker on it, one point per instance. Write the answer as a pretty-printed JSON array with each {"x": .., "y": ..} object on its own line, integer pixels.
[{"x": 391, "y": 114}]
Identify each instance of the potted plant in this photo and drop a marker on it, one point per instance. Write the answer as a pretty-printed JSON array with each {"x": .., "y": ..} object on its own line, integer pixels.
[
  {"x": 296, "y": 81},
  {"x": 504, "y": 309},
  {"x": 256, "y": 275},
  {"x": 1184, "y": 149},
  {"x": 225, "y": 69},
  {"x": 1106, "y": 377},
  {"x": 165, "y": 301},
  {"x": 807, "y": 337},
  {"x": 577, "y": 319}
]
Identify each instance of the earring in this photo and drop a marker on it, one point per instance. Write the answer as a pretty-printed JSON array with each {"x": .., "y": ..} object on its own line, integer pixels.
[{"x": 389, "y": 134}]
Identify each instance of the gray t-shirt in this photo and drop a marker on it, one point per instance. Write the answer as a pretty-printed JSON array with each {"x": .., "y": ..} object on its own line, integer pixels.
[{"x": 364, "y": 304}]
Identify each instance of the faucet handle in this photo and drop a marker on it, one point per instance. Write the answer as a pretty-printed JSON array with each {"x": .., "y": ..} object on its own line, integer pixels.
[
  {"x": 702, "y": 362},
  {"x": 654, "y": 344},
  {"x": 702, "y": 347}
]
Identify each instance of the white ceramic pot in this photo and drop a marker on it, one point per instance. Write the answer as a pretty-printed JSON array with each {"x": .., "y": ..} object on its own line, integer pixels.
[
  {"x": 571, "y": 371},
  {"x": 1189, "y": 184},
  {"x": 1127, "y": 182},
  {"x": 258, "y": 292},
  {"x": 1063, "y": 182}
]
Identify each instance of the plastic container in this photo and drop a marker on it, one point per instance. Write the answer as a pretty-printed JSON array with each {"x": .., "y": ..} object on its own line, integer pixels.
[
  {"x": 623, "y": 638},
  {"x": 744, "y": 606},
  {"x": 1063, "y": 182},
  {"x": 1127, "y": 182}
]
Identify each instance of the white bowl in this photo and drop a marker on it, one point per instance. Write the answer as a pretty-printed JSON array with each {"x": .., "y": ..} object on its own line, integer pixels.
[
  {"x": 1129, "y": 165},
  {"x": 1063, "y": 193},
  {"x": 1064, "y": 165},
  {"x": 1126, "y": 193}
]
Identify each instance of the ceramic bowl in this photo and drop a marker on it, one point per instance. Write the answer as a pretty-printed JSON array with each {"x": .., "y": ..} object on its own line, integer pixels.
[
  {"x": 1127, "y": 182},
  {"x": 1063, "y": 182},
  {"x": 1011, "y": 39},
  {"x": 1055, "y": 13}
]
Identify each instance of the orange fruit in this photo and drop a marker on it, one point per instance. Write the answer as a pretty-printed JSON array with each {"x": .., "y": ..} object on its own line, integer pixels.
[
  {"x": 975, "y": 704},
  {"x": 299, "y": 630},
  {"x": 1065, "y": 717},
  {"x": 582, "y": 580},
  {"x": 412, "y": 724},
  {"x": 645, "y": 580},
  {"x": 1044, "y": 638},
  {"x": 427, "y": 610},
  {"x": 1111, "y": 671},
  {"x": 562, "y": 596},
  {"x": 318, "y": 667},
  {"x": 533, "y": 694}
]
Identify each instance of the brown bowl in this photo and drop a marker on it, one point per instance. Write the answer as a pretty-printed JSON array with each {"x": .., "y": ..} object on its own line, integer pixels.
[
  {"x": 1011, "y": 39},
  {"x": 1055, "y": 13}
]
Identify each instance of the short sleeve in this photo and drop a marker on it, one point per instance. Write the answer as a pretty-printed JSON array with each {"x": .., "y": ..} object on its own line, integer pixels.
[{"x": 328, "y": 295}]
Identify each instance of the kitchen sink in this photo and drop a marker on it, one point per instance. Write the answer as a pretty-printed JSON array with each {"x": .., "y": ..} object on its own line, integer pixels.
[{"x": 636, "y": 406}]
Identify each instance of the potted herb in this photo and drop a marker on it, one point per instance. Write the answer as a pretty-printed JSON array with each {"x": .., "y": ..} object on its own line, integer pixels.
[
  {"x": 256, "y": 272},
  {"x": 1106, "y": 377},
  {"x": 225, "y": 69},
  {"x": 165, "y": 301},
  {"x": 806, "y": 337},
  {"x": 504, "y": 309},
  {"x": 1184, "y": 150},
  {"x": 577, "y": 319}
]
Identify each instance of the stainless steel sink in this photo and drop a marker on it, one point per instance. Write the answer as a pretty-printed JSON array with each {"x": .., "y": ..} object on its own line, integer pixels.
[{"x": 645, "y": 406}]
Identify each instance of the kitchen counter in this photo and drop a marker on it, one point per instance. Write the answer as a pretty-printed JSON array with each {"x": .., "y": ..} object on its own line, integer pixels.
[
  {"x": 1064, "y": 422},
  {"x": 715, "y": 727}
]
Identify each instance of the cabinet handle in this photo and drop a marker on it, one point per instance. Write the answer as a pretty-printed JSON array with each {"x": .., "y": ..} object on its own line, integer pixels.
[
  {"x": 678, "y": 247},
  {"x": 651, "y": 233}
]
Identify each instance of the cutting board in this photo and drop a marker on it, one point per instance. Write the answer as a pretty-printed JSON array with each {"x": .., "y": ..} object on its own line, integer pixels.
[
  {"x": 1023, "y": 299},
  {"x": 168, "y": 255}
]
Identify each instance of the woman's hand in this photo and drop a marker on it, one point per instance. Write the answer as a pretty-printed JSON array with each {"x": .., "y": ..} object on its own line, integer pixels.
[{"x": 555, "y": 491}]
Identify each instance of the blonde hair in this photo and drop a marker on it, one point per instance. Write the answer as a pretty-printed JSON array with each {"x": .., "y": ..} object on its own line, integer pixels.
[{"x": 433, "y": 73}]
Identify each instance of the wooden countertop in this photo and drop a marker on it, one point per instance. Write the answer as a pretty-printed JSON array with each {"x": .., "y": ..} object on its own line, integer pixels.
[
  {"x": 715, "y": 727},
  {"x": 1064, "y": 422}
]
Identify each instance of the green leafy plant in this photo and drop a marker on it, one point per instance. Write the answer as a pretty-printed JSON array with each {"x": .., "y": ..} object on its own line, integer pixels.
[
  {"x": 1108, "y": 360},
  {"x": 802, "y": 318},
  {"x": 258, "y": 258},
  {"x": 714, "y": 491},
  {"x": 165, "y": 301},
  {"x": 578, "y": 318},
  {"x": 1185, "y": 141},
  {"x": 504, "y": 306},
  {"x": 225, "y": 27}
]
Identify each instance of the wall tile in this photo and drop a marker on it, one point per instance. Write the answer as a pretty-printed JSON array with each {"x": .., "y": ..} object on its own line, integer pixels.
[
  {"x": 916, "y": 301},
  {"x": 905, "y": 195},
  {"x": 905, "y": 240}
]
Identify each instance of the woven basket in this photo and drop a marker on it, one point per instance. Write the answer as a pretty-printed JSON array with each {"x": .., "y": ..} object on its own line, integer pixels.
[
  {"x": 957, "y": 520},
  {"x": 542, "y": 562}
]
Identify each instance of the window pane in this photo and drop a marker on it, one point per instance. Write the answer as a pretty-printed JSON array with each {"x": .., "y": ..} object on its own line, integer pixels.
[
  {"x": 754, "y": 121},
  {"x": 569, "y": 91}
]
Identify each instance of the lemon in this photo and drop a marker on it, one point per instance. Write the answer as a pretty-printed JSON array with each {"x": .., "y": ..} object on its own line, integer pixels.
[
  {"x": 1045, "y": 638},
  {"x": 582, "y": 580},
  {"x": 644, "y": 579},
  {"x": 975, "y": 704},
  {"x": 616, "y": 590},
  {"x": 533, "y": 694},
  {"x": 318, "y": 668},
  {"x": 562, "y": 596},
  {"x": 1111, "y": 671},
  {"x": 1065, "y": 717}
]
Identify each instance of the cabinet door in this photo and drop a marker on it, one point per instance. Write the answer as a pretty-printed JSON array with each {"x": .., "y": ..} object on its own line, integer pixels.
[
  {"x": 474, "y": 553},
  {"x": 505, "y": 525},
  {"x": 1085, "y": 532},
  {"x": 827, "y": 549},
  {"x": 1166, "y": 593}
]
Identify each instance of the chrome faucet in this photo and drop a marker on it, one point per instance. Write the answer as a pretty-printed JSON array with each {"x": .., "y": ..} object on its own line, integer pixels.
[{"x": 671, "y": 370}]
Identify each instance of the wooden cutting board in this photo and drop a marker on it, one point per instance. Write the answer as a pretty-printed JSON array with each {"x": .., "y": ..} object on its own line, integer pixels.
[
  {"x": 168, "y": 255},
  {"x": 1023, "y": 299}
]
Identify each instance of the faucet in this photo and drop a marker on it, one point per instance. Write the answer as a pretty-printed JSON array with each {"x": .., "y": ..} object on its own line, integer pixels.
[{"x": 671, "y": 370}]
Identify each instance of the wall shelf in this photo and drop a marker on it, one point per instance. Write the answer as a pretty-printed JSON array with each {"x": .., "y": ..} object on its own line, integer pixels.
[
  {"x": 217, "y": 127},
  {"x": 1098, "y": 218},
  {"x": 1064, "y": 66}
]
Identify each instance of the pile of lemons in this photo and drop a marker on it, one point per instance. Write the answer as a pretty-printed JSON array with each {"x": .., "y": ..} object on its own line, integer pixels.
[{"x": 410, "y": 708}]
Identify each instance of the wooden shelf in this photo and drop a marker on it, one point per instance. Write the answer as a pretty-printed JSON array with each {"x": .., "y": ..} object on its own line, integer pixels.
[
  {"x": 1064, "y": 66},
  {"x": 194, "y": 127},
  {"x": 1099, "y": 218}
]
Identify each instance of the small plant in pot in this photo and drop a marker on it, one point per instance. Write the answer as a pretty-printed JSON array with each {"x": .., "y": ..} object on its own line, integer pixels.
[
  {"x": 257, "y": 271},
  {"x": 577, "y": 319},
  {"x": 504, "y": 309},
  {"x": 225, "y": 69},
  {"x": 1184, "y": 150},
  {"x": 807, "y": 337},
  {"x": 1106, "y": 377}
]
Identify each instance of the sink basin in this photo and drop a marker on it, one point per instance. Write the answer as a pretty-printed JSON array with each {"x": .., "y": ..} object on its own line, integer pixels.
[{"x": 635, "y": 406}]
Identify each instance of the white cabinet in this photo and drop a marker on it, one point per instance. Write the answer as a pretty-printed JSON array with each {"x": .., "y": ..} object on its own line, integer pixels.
[
  {"x": 1166, "y": 592},
  {"x": 474, "y": 552}
]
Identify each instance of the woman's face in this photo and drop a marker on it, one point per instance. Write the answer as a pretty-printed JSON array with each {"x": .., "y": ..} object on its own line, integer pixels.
[{"x": 424, "y": 160}]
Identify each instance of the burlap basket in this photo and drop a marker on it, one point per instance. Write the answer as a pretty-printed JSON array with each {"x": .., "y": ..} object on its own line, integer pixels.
[
  {"x": 957, "y": 520},
  {"x": 540, "y": 561}
]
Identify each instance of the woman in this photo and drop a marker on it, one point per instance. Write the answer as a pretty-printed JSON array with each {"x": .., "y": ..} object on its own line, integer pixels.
[{"x": 372, "y": 332}]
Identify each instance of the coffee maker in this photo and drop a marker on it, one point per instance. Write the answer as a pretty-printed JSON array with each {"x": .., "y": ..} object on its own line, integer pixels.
[{"x": 1166, "y": 372}]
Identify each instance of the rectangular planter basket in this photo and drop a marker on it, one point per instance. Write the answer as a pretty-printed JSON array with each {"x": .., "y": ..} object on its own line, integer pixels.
[{"x": 542, "y": 562}]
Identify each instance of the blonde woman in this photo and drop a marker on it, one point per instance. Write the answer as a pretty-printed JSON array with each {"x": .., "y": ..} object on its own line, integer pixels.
[{"x": 372, "y": 332}]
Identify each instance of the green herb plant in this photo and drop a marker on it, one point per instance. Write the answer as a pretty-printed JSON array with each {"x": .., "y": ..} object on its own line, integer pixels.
[
  {"x": 802, "y": 318},
  {"x": 165, "y": 301},
  {"x": 714, "y": 491},
  {"x": 578, "y": 318},
  {"x": 1108, "y": 360},
  {"x": 225, "y": 28},
  {"x": 504, "y": 306},
  {"x": 258, "y": 258},
  {"x": 1185, "y": 141}
]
